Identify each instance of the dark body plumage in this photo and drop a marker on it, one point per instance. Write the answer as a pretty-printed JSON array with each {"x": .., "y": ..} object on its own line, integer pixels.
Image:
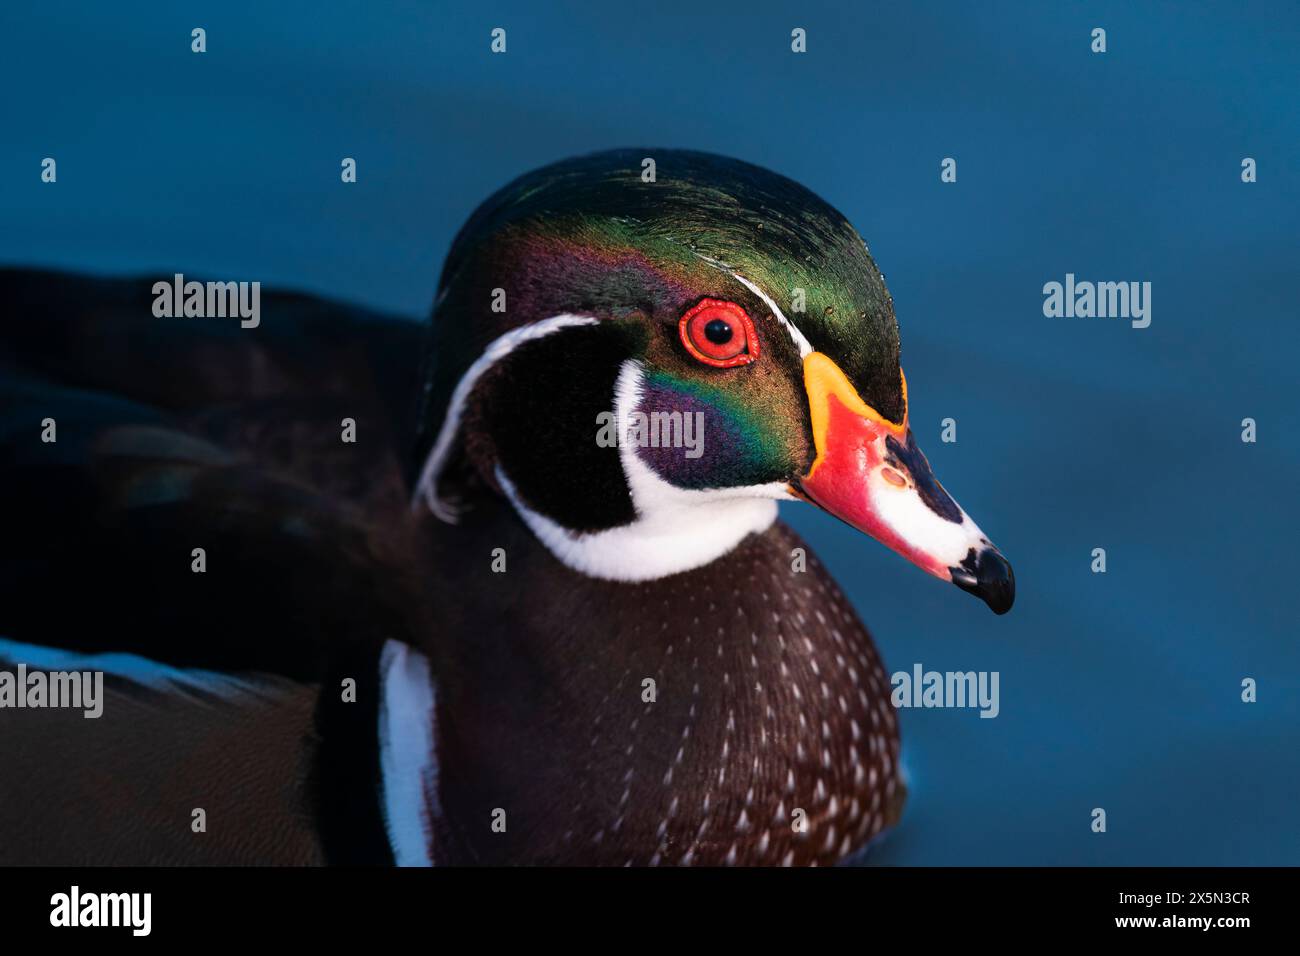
[
  {"x": 770, "y": 706},
  {"x": 771, "y": 696},
  {"x": 171, "y": 436}
]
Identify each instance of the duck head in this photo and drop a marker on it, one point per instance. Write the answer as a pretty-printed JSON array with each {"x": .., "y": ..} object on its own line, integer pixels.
[{"x": 645, "y": 364}]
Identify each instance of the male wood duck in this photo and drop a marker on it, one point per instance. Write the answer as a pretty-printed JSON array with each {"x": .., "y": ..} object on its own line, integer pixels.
[{"x": 492, "y": 629}]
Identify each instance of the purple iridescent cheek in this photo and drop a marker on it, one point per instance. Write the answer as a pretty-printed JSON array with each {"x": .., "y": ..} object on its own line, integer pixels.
[{"x": 691, "y": 442}]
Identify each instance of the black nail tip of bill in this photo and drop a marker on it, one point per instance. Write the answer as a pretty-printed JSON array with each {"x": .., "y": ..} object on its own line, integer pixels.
[{"x": 988, "y": 576}]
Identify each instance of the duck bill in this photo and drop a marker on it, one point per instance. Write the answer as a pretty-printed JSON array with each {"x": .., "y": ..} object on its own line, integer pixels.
[{"x": 870, "y": 474}]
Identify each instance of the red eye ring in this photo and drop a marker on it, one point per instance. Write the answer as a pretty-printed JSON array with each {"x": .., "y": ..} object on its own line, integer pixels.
[{"x": 719, "y": 354}]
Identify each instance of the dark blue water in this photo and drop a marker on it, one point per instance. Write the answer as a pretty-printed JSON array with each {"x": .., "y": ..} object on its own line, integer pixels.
[{"x": 1118, "y": 690}]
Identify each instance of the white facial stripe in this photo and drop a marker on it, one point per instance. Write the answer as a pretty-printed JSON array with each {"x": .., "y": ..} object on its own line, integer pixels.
[
  {"x": 407, "y": 753},
  {"x": 804, "y": 346},
  {"x": 426, "y": 487}
]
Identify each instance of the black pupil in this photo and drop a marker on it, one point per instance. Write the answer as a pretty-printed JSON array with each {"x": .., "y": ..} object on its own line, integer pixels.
[{"x": 718, "y": 331}]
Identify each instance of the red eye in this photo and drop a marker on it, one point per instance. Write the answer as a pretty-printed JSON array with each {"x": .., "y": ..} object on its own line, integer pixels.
[{"x": 719, "y": 333}]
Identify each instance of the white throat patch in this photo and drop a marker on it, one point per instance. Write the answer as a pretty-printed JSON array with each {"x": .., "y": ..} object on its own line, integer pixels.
[{"x": 676, "y": 529}]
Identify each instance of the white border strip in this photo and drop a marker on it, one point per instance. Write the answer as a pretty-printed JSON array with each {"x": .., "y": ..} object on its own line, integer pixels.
[{"x": 426, "y": 487}]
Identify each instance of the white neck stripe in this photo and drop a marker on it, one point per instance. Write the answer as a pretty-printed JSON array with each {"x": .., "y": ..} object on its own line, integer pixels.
[{"x": 407, "y": 753}]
